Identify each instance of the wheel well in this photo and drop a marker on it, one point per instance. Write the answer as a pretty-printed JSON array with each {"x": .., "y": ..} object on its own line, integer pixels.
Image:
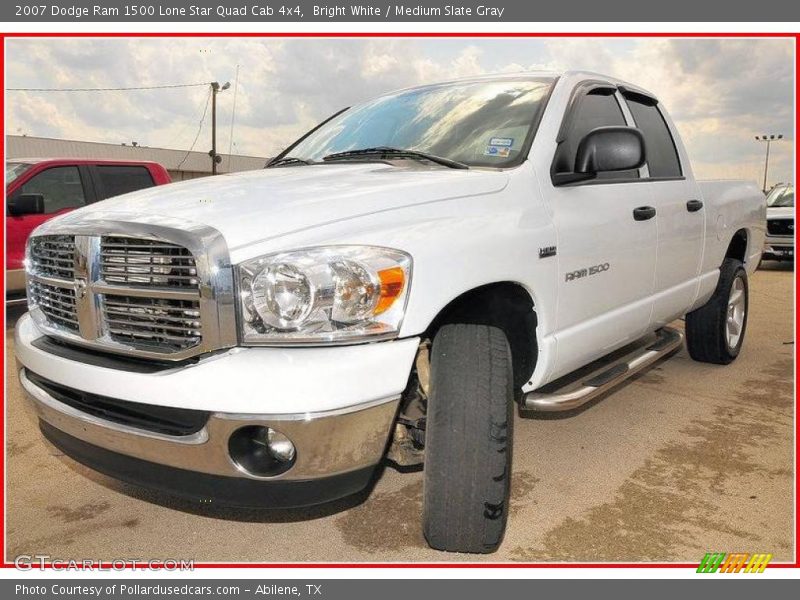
[
  {"x": 738, "y": 247},
  {"x": 505, "y": 305}
]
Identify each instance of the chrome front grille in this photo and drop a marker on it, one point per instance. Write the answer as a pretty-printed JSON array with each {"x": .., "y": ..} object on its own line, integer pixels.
[
  {"x": 136, "y": 261},
  {"x": 54, "y": 255},
  {"x": 136, "y": 295},
  {"x": 56, "y": 303},
  {"x": 153, "y": 321}
]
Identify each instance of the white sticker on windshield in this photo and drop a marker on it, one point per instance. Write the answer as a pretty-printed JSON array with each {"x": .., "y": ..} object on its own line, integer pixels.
[
  {"x": 498, "y": 151},
  {"x": 501, "y": 141}
]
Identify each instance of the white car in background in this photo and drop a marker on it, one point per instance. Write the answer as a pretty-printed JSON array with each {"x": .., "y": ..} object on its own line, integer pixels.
[{"x": 779, "y": 243}]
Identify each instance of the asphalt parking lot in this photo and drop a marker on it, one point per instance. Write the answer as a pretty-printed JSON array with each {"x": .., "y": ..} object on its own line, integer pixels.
[{"x": 683, "y": 459}]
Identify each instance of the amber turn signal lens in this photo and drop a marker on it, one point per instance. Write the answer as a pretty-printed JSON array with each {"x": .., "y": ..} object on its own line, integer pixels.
[{"x": 392, "y": 282}]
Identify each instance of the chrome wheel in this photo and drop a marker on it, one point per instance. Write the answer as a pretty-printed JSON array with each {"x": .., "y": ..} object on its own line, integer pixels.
[{"x": 736, "y": 313}]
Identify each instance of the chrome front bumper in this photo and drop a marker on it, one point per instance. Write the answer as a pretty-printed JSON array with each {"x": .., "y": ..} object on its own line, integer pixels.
[
  {"x": 327, "y": 443},
  {"x": 778, "y": 247},
  {"x": 779, "y": 242}
]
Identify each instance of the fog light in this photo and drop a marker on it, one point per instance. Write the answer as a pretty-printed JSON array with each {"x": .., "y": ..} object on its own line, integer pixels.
[{"x": 261, "y": 451}]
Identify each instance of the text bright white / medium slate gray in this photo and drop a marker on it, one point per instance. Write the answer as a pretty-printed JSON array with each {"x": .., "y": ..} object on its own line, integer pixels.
[{"x": 376, "y": 11}]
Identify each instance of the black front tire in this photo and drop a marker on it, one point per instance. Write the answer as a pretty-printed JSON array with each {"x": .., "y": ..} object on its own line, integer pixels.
[
  {"x": 468, "y": 439},
  {"x": 706, "y": 327}
]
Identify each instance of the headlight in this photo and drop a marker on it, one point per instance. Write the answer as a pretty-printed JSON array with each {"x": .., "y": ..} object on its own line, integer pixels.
[{"x": 331, "y": 294}]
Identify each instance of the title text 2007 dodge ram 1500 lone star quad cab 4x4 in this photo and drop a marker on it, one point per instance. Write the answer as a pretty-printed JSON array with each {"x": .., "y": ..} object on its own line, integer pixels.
[{"x": 400, "y": 276}]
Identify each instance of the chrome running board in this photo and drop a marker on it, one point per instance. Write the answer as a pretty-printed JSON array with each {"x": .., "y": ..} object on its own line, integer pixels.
[{"x": 574, "y": 393}]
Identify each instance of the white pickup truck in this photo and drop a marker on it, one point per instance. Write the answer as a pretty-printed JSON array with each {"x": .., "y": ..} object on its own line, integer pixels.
[
  {"x": 395, "y": 281},
  {"x": 779, "y": 243}
]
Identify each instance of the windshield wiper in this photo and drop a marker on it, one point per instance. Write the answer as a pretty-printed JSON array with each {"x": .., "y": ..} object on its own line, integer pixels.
[
  {"x": 389, "y": 152},
  {"x": 287, "y": 161}
]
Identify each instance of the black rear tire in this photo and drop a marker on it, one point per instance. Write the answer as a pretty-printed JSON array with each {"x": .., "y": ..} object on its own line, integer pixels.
[
  {"x": 468, "y": 439},
  {"x": 706, "y": 327}
]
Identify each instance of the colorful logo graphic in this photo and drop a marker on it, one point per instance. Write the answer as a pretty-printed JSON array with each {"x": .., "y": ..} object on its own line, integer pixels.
[{"x": 720, "y": 562}]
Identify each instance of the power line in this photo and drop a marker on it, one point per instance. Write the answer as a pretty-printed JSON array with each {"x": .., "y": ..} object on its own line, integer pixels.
[
  {"x": 109, "y": 89},
  {"x": 186, "y": 125},
  {"x": 233, "y": 120},
  {"x": 199, "y": 130}
]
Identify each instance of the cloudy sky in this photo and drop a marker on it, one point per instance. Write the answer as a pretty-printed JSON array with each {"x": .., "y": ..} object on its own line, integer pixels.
[{"x": 720, "y": 92}]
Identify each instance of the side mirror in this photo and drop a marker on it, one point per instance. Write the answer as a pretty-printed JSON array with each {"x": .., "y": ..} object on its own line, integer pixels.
[
  {"x": 26, "y": 204},
  {"x": 610, "y": 149}
]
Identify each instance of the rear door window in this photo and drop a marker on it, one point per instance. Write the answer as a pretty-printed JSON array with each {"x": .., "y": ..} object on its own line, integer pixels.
[
  {"x": 61, "y": 187},
  {"x": 662, "y": 156},
  {"x": 121, "y": 179}
]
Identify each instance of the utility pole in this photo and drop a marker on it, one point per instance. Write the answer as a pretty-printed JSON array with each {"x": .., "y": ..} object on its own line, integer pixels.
[
  {"x": 216, "y": 88},
  {"x": 768, "y": 139}
]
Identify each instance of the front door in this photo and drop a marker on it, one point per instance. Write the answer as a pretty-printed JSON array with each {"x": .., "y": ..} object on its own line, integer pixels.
[
  {"x": 63, "y": 189},
  {"x": 606, "y": 247}
]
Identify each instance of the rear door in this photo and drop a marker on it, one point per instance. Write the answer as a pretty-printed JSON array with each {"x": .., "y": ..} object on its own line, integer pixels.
[
  {"x": 606, "y": 256},
  {"x": 113, "y": 180},
  {"x": 680, "y": 209}
]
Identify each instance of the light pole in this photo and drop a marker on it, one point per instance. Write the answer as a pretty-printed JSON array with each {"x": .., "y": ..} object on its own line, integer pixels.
[
  {"x": 216, "y": 88},
  {"x": 768, "y": 139}
]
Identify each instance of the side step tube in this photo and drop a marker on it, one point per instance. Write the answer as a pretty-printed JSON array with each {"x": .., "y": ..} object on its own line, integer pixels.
[{"x": 668, "y": 341}]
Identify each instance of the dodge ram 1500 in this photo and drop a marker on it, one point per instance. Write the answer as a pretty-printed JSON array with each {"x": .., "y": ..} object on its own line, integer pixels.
[{"x": 395, "y": 281}]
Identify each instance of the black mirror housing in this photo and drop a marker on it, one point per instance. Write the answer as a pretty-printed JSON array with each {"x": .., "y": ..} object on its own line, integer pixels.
[
  {"x": 26, "y": 204},
  {"x": 610, "y": 149}
]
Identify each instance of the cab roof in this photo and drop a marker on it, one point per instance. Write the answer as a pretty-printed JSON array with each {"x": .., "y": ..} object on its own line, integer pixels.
[{"x": 572, "y": 76}]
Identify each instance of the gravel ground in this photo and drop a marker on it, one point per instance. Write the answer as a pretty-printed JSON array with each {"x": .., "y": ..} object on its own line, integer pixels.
[{"x": 683, "y": 459}]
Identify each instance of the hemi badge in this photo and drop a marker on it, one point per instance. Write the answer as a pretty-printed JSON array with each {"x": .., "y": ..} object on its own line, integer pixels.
[{"x": 547, "y": 251}]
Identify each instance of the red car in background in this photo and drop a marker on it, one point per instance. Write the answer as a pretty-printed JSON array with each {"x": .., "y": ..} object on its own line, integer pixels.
[{"x": 40, "y": 189}]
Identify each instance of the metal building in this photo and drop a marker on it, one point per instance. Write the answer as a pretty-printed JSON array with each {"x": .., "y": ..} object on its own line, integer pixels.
[{"x": 179, "y": 164}]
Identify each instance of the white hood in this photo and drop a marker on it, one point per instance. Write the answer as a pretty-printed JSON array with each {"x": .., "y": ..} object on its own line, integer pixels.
[{"x": 254, "y": 206}]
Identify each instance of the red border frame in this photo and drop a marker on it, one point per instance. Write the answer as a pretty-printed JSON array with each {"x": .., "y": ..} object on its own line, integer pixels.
[{"x": 442, "y": 565}]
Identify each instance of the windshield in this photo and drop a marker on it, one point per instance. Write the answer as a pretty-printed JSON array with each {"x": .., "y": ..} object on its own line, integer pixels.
[
  {"x": 781, "y": 197},
  {"x": 478, "y": 123},
  {"x": 14, "y": 170}
]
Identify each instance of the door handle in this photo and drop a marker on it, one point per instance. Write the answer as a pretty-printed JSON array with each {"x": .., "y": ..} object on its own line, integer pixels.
[
  {"x": 694, "y": 205},
  {"x": 643, "y": 213}
]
